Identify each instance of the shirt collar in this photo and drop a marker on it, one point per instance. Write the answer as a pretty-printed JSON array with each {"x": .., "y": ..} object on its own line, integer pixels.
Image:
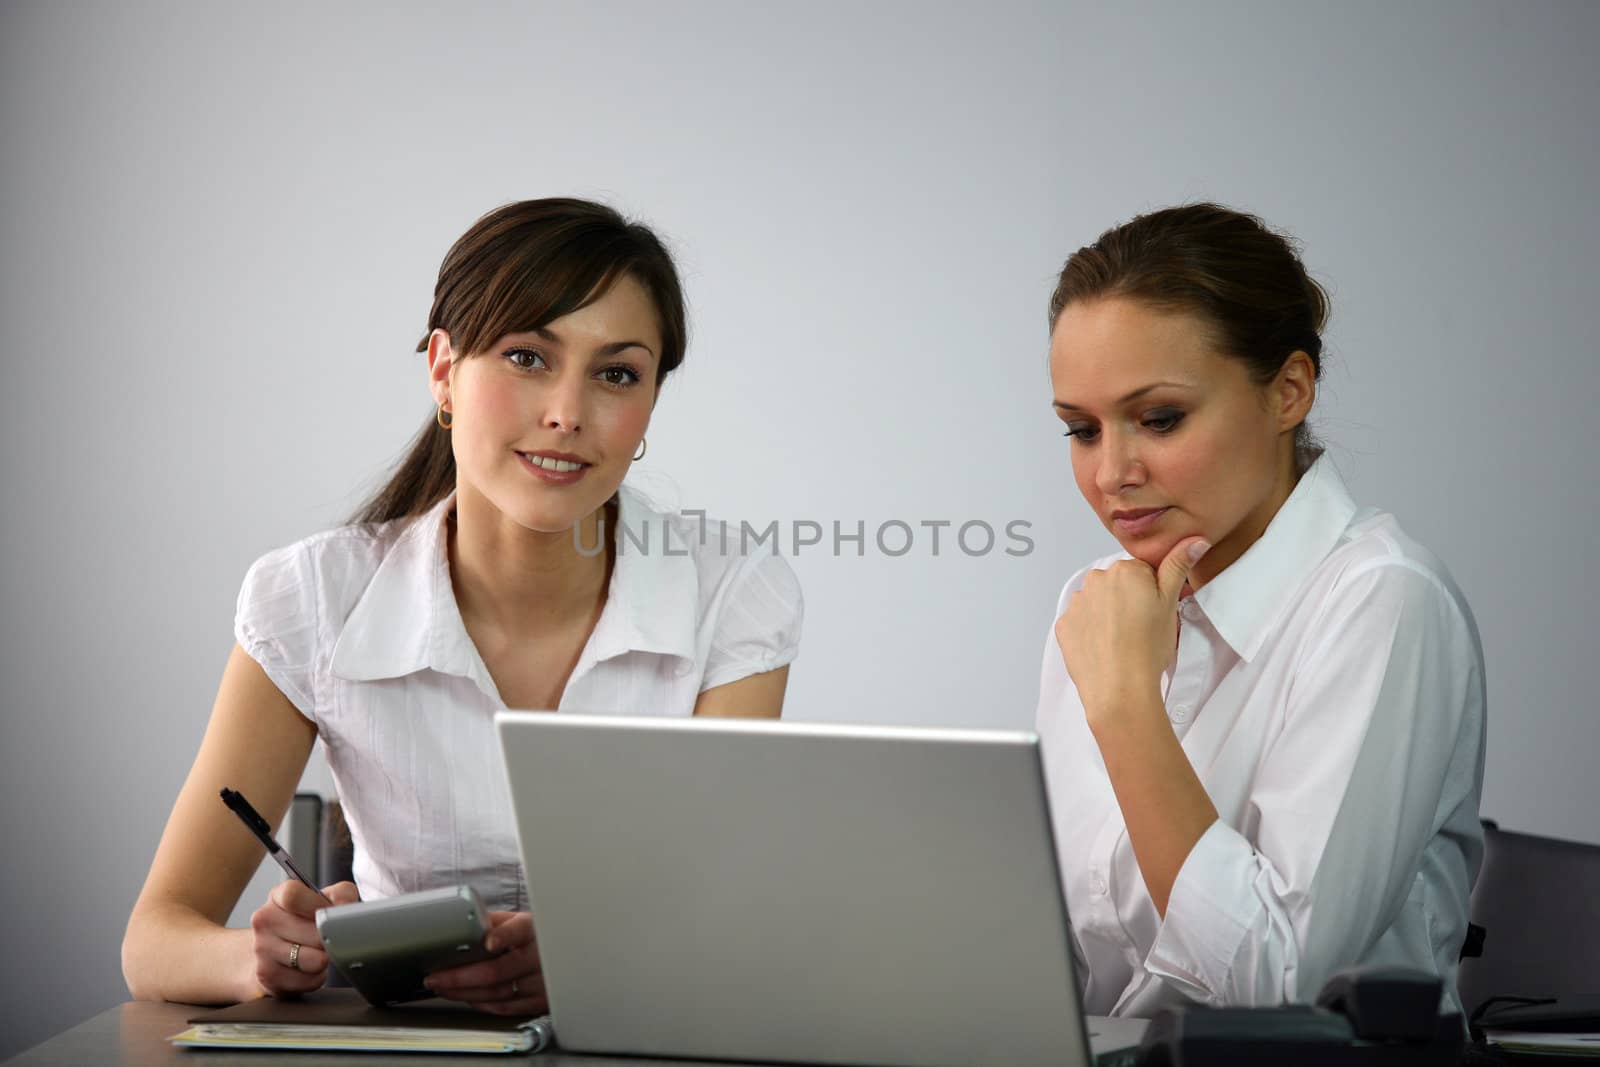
[
  {"x": 655, "y": 589},
  {"x": 407, "y": 619},
  {"x": 1247, "y": 597}
]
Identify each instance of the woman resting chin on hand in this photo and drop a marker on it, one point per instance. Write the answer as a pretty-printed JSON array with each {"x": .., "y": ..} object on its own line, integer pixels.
[
  {"x": 487, "y": 574},
  {"x": 1263, "y": 721}
]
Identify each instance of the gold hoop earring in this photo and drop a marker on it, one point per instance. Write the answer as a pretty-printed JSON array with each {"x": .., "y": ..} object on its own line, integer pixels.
[
  {"x": 444, "y": 423},
  {"x": 644, "y": 446}
]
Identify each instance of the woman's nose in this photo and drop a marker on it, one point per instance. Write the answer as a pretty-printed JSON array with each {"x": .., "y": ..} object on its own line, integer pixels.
[
  {"x": 1120, "y": 467},
  {"x": 563, "y": 405}
]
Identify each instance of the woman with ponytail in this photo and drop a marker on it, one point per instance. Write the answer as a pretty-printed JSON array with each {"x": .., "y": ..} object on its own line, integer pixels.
[{"x": 488, "y": 573}]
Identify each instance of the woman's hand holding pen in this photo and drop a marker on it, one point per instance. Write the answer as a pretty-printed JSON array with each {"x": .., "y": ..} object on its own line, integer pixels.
[
  {"x": 1119, "y": 629},
  {"x": 289, "y": 956},
  {"x": 510, "y": 984}
]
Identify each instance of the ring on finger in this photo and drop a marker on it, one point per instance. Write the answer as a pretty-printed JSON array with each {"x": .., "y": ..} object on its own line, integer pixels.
[{"x": 294, "y": 956}]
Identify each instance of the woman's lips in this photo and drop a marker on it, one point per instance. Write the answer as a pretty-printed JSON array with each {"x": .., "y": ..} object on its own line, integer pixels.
[
  {"x": 548, "y": 476},
  {"x": 1136, "y": 522}
]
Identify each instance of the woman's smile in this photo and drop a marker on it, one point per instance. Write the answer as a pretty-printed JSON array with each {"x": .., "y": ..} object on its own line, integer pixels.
[{"x": 554, "y": 468}]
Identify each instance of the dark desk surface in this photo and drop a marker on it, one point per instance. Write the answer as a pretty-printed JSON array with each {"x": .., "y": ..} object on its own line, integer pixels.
[{"x": 135, "y": 1034}]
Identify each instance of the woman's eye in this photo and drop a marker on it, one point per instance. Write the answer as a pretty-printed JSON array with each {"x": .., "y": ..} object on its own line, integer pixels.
[
  {"x": 619, "y": 376},
  {"x": 1082, "y": 431},
  {"x": 1164, "y": 420},
  {"x": 525, "y": 358}
]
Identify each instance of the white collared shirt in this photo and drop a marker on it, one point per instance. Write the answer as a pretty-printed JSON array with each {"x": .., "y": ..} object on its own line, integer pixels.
[
  {"x": 1328, "y": 689},
  {"x": 359, "y": 628}
]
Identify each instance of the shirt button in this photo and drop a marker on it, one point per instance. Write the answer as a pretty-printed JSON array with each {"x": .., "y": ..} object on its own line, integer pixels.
[
  {"x": 1180, "y": 713},
  {"x": 1099, "y": 884},
  {"x": 683, "y": 668},
  {"x": 1189, "y": 609}
]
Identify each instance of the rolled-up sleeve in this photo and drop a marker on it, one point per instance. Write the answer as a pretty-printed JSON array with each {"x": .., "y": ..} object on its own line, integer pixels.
[{"x": 1376, "y": 747}]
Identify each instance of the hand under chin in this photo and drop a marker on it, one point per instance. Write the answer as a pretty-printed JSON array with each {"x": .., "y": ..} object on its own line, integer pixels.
[{"x": 1154, "y": 551}]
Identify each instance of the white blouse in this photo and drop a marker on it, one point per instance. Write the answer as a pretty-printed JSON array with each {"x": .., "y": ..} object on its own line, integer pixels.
[
  {"x": 1328, "y": 689},
  {"x": 359, "y": 628}
]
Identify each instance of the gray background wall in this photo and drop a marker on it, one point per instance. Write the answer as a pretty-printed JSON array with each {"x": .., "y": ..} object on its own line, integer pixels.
[{"x": 219, "y": 227}]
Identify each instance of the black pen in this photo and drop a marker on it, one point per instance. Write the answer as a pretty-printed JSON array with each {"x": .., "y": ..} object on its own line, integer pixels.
[{"x": 258, "y": 826}]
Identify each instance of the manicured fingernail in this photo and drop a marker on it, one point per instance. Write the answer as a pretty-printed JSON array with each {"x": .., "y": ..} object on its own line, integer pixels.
[{"x": 1198, "y": 549}]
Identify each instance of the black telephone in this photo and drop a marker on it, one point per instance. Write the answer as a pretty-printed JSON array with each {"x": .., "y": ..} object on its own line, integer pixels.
[{"x": 1370, "y": 1016}]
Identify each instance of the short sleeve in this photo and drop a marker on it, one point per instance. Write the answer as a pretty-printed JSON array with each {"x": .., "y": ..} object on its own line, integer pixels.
[
  {"x": 275, "y": 623},
  {"x": 757, "y": 628}
]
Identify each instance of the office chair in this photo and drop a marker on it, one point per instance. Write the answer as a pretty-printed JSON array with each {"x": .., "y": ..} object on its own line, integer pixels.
[
  {"x": 316, "y": 836},
  {"x": 1539, "y": 900}
]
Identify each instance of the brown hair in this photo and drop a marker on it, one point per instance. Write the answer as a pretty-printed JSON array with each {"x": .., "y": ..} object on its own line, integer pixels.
[
  {"x": 519, "y": 267},
  {"x": 1222, "y": 265}
]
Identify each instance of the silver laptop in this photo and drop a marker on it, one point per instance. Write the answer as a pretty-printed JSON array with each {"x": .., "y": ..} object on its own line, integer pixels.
[{"x": 726, "y": 889}]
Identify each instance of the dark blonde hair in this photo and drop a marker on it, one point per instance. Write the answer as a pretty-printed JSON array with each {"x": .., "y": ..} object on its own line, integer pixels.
[
  {"x": 1226, "y": 268},
  {"x": 519, "y": 267}
]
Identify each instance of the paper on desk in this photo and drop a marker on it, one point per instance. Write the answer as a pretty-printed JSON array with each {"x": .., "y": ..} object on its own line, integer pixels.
[
  {"x": 534, "y": 1036},
  {"x": 1578, "y": 1046}
]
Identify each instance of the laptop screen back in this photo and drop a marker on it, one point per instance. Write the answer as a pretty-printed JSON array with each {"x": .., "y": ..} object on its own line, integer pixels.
[{"x": 821, "y": 894}]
